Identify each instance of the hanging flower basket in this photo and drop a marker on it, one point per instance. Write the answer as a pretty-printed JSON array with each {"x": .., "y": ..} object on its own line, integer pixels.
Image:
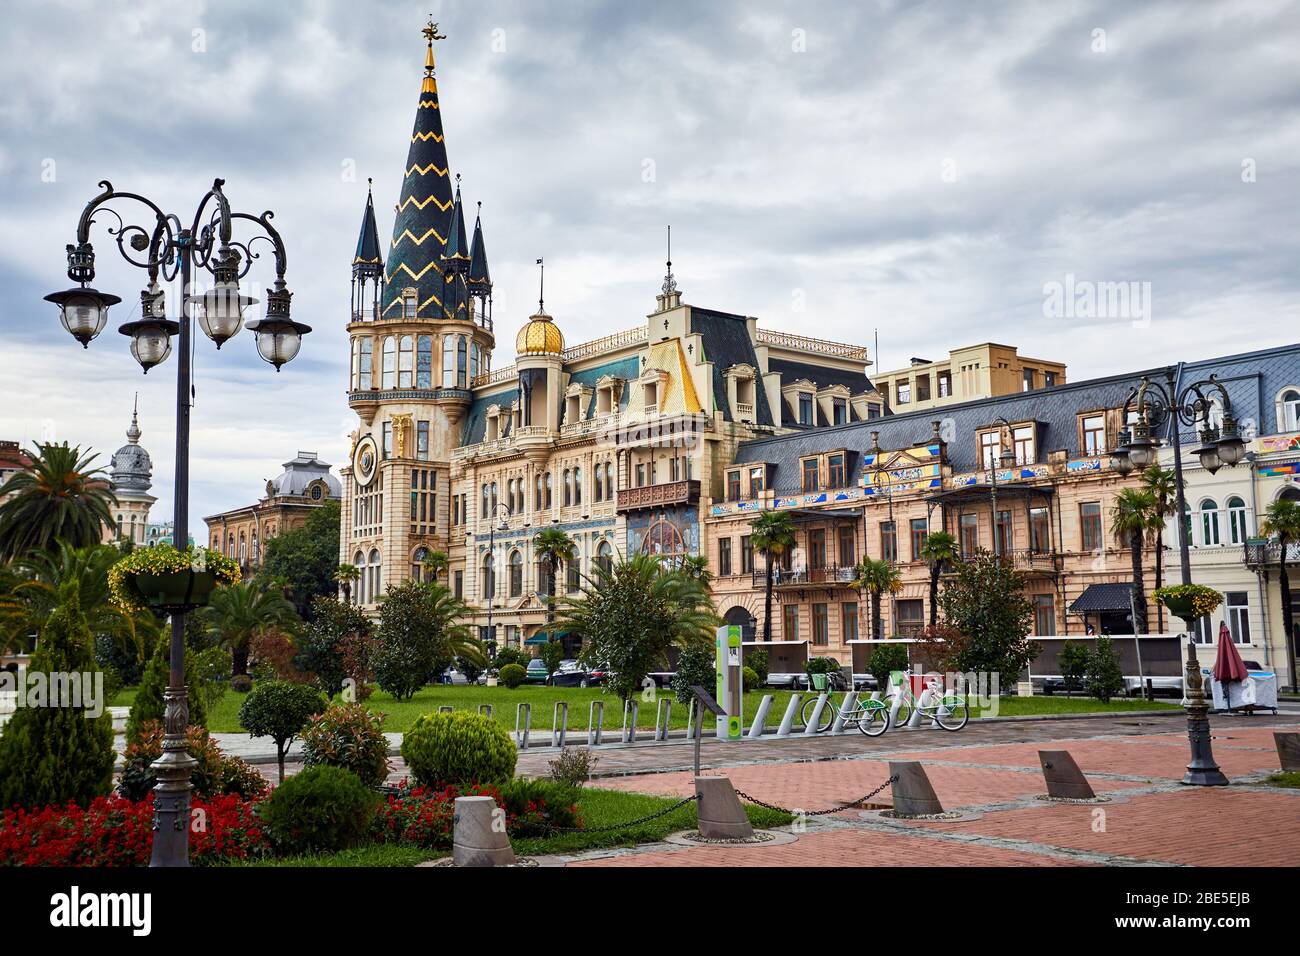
[
  {"x": 1189, "y": 601},
  {"x": 169, "y": 580}
]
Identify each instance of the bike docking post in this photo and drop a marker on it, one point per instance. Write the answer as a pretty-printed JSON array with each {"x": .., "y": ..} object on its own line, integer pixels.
[
  {"x": 787, "y": 722},
  {"x": 850, "y": 704},
  {"x": 629, "y": 726},
  {"x": 663, "y": 715},
  {"x": 559, "y": 723},
  {"x": 730, "y": 694},
  {"x": 760, "y": 718},
  {"x": 691, "y": 708},
  {"x": 810, "y": 730},
  {"x": 524, "y": 710},
  {"x": 595, "y": 722},
  {"x": 485, "y": 710},
  {"x": 445, "y": 709}
]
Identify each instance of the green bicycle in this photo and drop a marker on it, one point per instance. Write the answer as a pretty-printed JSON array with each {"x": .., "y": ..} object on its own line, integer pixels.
[
  {"x": 869, "y": 716},
  {"x": 947, "y": 709}
]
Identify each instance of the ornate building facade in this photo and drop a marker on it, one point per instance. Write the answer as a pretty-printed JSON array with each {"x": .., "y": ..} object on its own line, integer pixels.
[{"x": 619, "y": 442}]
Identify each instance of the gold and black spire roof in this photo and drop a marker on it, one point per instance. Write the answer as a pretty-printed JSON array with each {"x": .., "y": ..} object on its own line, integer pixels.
[
  {"x": 368, "y": 260},
  {"x": 479, "y": 278},
  {"x": 415, "y": 258}
]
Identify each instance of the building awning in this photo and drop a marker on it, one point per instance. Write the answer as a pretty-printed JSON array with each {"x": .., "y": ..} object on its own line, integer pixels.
[
  {"x": 1100, "y": 598},
  {"x": 541, "y": 637}
]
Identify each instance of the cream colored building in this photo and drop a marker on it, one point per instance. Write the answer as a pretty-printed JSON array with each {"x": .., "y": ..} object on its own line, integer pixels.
[{"x": 980, "y": 371}]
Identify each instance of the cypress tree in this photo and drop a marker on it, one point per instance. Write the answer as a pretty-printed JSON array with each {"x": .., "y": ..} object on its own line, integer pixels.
[
  {"x": 58, "y": 754},
  {"x": 148, "y": 703}
]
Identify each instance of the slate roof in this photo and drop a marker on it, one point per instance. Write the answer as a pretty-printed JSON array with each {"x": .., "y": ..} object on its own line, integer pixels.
[
  {"x": 475, "y": 426},
  {"x": 823, "y": 377},
  {"x": 627, "y": 369},
  {"x": 1103, "y": 597},
  {"x": 1252, "y": 380},
  {"x": 727, "y": 343},
  {"x": 368, "y": 259}
]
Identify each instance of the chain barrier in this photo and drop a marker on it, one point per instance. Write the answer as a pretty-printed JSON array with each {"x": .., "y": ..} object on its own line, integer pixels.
[
  {"x": 630, "y": 823},
  {"x": 818, "y": 813}
]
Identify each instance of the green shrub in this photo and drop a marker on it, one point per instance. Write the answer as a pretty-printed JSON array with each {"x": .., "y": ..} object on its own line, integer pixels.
[
  {"x": 759, "y": 660},
  {"x": 241, "y": 683},
  {"x": 510, "y": 655},
  {"x": 351, "y": 737},
  {"x": 749, "y": 676},
  {"x": 1105, "y": 679},
  {"x": 322, "y": 809},
  {"x": 886, "y": 659},
  {"x": 695, "y": 667},
  {"x": 512, "y": 675},
  {"x": 458, "y": 748},
  {"x": 533, "y": 807},
  {"x": 214, "y": 773},
  {"x": 1073, "y": 662},
  {"x": 551, "y": 653},
  {"x": 58, "y": 754},
  {"x": 148, "y": 703},
  {"x": 573, "y": 766},
  {"x": 279, "y": 710}
]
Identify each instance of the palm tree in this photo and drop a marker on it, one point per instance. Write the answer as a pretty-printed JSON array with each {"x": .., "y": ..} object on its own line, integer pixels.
[
  {"x": 938, "y": 550},
  {"x": 238, "y": 613},
  {"x": 1163, "y": 485},
  {"x": 876, "y": 576},
  {"x": 61, "y": 497},
  {"x": 1282, "y": 521},
  {"x": 450, "y": 614},
  {"x": 1130, "y": 522},
  {"x": 435, "y": 563},
  {"x": 696, "y": 567},
  {"x": 555, "y": 549},
  {"x": 772, "y": 536},
  {"x": 344, "y": 576}
]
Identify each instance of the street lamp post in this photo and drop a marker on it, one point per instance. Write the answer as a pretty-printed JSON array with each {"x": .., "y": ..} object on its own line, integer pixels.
[
  {"x": 169, "y": 250},
  {"x": 878, "y": 478},
  {"x": 1153, "y": 405}
]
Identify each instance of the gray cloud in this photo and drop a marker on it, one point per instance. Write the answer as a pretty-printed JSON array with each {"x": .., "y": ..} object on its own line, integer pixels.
[{"x": 799, "y": 152}]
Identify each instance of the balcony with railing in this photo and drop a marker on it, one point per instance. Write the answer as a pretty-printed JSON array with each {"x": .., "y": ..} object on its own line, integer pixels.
[
  {"x": 1267, "y": 554},
  {"x": 804, "y": 343},
  {"x": 659, "y": 496},
  {"x": 826, "y": 575}
]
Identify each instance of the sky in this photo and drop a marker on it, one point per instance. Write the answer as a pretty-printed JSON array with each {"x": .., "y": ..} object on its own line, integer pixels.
[{"x": 930, "y": 173}]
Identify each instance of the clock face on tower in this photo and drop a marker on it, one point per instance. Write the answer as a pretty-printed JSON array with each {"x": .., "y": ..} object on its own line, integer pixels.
[{"x": 364, "y": 458}]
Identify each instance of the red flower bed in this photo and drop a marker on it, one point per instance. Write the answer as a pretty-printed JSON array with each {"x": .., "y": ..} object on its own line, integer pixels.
[
  {"x": 423, "y": 816},
  {"x": 113, "y": 831}
]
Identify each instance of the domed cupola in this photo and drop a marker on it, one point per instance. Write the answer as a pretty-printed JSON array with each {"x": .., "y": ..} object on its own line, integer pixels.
[
  {"x": 541, "y": 336},
  {"x": 132, "y": 469}
]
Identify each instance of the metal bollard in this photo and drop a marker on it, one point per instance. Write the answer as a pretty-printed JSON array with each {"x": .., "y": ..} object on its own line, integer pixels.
[
  {"x": 559, "y": 723},
  {"x": 663, "y": 715},
  {"x": 760, "y": 718},
  {"x": 595, "y": 722},
  {"x": 485, "y": 710},
  {"x": 445, "y": 709},
  {"x": 811, "y": 729},
  {"x": 629, "y": 727},
  {"x": 787, "y": 722},
  {"x": 850, "y": 704},
  {"x": 690, "y": 718},
  {"x": 521, "y": 740}
]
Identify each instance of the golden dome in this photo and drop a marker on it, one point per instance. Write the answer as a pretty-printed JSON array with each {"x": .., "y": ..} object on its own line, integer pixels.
[{"x": 541, "y": 335}]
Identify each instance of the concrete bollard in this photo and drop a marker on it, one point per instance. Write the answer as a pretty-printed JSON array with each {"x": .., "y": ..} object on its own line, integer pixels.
[
  {"x": 1064, "y": 778},
  {"x": 813, "y": 722},
  {"x": 479, "y": 834},
  {"x": 720, "y": 814},
  {"x": 629, "y": 726},
  {"x": 787, "y": 721},
  {"x": 595, "y": 722},
  {"x": 663, "y": 715},
  {"x": 559, "y": 723},
  {"x": 485, "y": 710},
  {"x": 760, "y": 718},
  {"x": 850, "y": 704},
  {"x": 913, "y": 794},
  {"x": 1288, "y": 750},
  {"x": 525, "y": 711}
]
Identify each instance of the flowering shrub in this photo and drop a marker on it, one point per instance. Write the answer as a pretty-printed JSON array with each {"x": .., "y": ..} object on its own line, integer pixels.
[
  {"x": 351, "y": 737},
  {"x": 113, "y": 831},
  {"x": 165, "y": 559},
  {"x": 213, "y": 775},
  {"x": 423, "y": 816}
]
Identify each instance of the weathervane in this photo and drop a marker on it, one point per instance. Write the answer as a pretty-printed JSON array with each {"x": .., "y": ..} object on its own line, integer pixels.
[{"x": 670, "y": 284}]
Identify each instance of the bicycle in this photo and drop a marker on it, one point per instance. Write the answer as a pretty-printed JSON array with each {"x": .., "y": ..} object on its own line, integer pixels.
[
  {"x": 871, "y": 717},
  {"x": 947, "y": 709}
]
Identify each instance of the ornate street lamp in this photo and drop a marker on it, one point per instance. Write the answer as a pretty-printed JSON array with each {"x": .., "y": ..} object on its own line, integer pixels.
[
  {"x": 1153, "y": 405},
  {"x": 169, "y": 250}
]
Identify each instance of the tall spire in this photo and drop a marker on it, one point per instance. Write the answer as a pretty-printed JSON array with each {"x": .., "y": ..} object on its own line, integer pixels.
[
  {"x": 479, "y": 277},
  {"x": 368, "y": 259},
  {"x": 133, "y": 431},
  {"x": 455, "y": 262},
  {"x": 457, "y": 246},
  {"x": 423, "y": 209}
]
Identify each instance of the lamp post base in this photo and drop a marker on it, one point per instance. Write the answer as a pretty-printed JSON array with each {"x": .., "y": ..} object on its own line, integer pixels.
[{"x": 1202, "y": 771}]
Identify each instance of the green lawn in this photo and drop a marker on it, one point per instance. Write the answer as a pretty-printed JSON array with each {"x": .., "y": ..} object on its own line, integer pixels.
[
  {"x": 1289, "y": 779},
  {"x": 224, "y": 717},
  {"x": 598, "y": 808}
]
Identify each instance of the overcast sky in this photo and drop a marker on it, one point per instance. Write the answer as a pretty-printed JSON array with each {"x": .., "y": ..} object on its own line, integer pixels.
[{"x": 921, "y": 169}]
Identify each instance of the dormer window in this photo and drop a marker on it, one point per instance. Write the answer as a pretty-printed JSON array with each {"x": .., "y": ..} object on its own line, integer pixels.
[
  {"x": 757, "y": 481},
  {"x": 609, "y": 390},
  {"x": 835, "y": 470},
  {"x": 733, "y": 485},
  {"x": 742, "y": 388},
  {"x": 651, "y": 397},
  {"x": 810, "y": 474},
  {"x": 493, "y": 428},
  {"x": 408, "y": 303},
  {"x": 806, "y": 408},
  {"x": 577, "y": 399}
]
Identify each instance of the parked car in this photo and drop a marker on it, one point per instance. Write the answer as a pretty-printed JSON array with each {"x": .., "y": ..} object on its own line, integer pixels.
[
  {"x": 574, "y": 674},
  {"x": 453, "y": 676},
  {"x": 535, "y": 672}
]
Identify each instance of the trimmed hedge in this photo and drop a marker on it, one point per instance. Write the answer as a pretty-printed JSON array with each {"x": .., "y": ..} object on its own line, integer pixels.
[{"x": 457, "y": 749}]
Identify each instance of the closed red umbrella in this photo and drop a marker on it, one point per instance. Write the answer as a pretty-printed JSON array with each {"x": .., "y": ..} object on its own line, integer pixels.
[{"x": 1228, "y": 665}]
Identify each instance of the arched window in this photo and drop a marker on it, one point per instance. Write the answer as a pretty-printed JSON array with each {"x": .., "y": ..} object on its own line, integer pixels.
[
  {"x": 255, "y": 551},
  {"x": 417, "y": 564},
  {"x": 359, "y": 585},
  {"x": 1209, "y": 523},
  {"x": 537, "y": 493},
  {"x": 1236, "y": 520},
  {"x": 493, "y": 512},
  {"x": 519, "y": 495},
  {"x": 568, "y": 488},
  {"x": 600, "y": 483},
  {"x": 1288, "y": 410},
  {"x": 473, "y": 361},
  {"x": 449, "y": 362},
  {"x": 573, "y": 570},
  {"x": 460, "y": 362},
  {"x": 366, "y": 366},
  {"x": 604, "y": 556},
  {"x": 510, "y": 496},
  {"x": 547, "y": 484},
  {"x": 390, "y": 362},
  {"x": 484, "y": 509},
  {"x": 544, "y": 577},
  {"x": 374, "y": 589},
  {"x": 577, "y": 486},
  {"x": 489, "y": 577},
  {"x": 405, "y": 361},
  {"x": 408, "y": 305},
  {"x": 516, "y": 574},
  {"x": 609, "y": 481},
  {"x": 424, "y": 362},
  {"x": 243, "y": 549}
]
